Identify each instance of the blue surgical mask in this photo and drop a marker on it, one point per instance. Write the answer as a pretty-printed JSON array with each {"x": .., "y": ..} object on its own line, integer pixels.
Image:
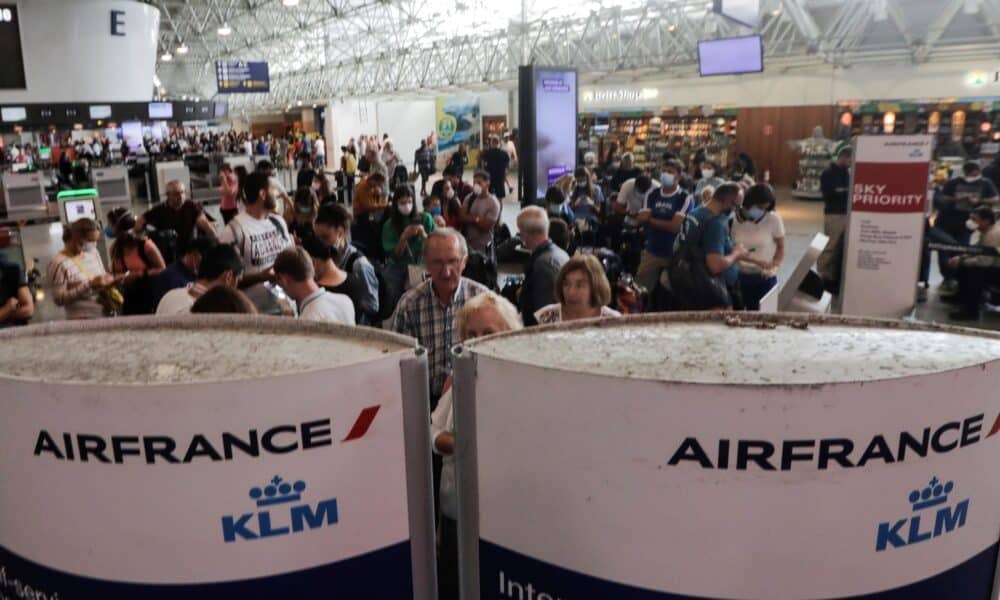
[
  {"x": 667, "y": 180},
  {"x": 755, "y": 213},
  {"x": 108, "y": 231},
  {"x": 436, "y": 211}
]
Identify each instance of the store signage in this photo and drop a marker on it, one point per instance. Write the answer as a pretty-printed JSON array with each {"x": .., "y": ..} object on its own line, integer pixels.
[
  {"x": 237, "y": 76},
  {"x": 620, "y": 95},
  {"x": 885, "y": 230}
]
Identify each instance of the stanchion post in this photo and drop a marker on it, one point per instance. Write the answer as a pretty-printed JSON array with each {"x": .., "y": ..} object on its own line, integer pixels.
[
  {"x": 419, "y": 482},
  {"x": 467, "y": 473}
]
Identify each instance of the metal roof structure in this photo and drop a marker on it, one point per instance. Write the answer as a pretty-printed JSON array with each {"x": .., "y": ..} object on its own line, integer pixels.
[{"x": 321, "y": 49}]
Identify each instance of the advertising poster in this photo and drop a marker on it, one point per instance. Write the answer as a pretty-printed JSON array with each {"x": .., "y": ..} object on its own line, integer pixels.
[
  {"x": 459, "y": 121},
  {"x": 555, "y": 126},
  {"x": 602, "y": 487},
  {"x": 274, "y": 487},
  {"x": 884, "y": 237}
]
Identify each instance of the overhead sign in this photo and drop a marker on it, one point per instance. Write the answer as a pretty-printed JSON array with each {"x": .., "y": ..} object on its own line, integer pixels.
[
  {"x": 240, "y": 77},
  {"x": 12, "y": 61},
  {"x": 885, "y": 232}
]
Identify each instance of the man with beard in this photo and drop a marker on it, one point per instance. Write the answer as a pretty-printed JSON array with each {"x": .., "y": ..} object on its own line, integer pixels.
[{"x": 259, "y": 237}]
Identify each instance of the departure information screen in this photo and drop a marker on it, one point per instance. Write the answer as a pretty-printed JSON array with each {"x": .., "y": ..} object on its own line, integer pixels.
[{"x": 11, "y": 56}]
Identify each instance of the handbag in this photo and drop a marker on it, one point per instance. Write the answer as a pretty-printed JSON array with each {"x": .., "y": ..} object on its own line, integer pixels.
[{"x": 693, "y": 286}]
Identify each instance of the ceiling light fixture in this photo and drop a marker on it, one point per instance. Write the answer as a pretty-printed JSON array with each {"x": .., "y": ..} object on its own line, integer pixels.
[
  {"x": 166, "y": 57},
  {"x": 672, "y": 28},
  {"x": 225, "y": 29},
  {"x": 776, "y": 12},
  {"x": 182, "y": 49},
  {"x": 290, "y": 2}
]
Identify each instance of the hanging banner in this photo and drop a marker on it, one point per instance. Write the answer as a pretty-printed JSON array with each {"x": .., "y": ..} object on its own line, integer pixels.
[
  {"x": 458, "y": 122},
  {"x": 888, "y": 202}
]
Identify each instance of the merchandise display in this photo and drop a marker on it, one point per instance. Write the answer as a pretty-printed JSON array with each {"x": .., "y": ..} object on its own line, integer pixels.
[{"x": 815, "y": 153}]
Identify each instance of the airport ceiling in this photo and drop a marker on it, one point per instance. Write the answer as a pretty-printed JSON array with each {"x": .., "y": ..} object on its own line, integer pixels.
[{"x": 319, "y": 49}]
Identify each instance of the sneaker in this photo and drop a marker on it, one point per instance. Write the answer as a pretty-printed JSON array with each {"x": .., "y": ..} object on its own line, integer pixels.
[
  {"x": 921, "y": 294},
  {"x": 963, "y": 315}
]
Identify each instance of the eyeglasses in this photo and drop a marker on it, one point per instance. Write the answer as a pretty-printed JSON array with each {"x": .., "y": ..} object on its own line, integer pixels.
[{"x": 440, "y": 264}]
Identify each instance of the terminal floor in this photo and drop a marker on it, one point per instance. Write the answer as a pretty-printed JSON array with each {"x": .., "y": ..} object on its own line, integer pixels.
[{"x": 802, "y": 220}]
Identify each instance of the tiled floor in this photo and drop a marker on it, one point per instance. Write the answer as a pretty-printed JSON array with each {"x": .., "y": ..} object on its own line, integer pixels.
[{"x": 802, "y": 220}]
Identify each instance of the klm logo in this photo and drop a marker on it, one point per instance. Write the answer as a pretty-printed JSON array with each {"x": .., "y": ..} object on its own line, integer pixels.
[
  {"x": 924, "y": 524},
  {"x": 272, "y": 519}
]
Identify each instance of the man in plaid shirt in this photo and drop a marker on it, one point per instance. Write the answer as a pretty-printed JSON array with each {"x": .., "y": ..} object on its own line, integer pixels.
[{"x": 427, "y": 312}]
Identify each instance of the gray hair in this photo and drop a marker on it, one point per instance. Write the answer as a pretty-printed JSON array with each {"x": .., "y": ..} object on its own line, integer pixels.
[
  {"x": 447, "y": 233},
  {"x": 504, "y": 308},
  {"x": 533, "y": 220}
]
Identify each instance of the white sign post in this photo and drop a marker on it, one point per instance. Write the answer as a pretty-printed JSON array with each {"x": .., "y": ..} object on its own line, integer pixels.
[{"x": 885, "y": 232}]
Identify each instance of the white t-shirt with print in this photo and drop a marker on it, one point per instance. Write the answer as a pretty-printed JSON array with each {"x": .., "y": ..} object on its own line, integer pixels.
[{"x": 759, "y": 238}]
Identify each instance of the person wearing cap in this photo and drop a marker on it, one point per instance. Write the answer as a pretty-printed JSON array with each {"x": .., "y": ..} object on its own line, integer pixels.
[{"x": 835, "y": 182}]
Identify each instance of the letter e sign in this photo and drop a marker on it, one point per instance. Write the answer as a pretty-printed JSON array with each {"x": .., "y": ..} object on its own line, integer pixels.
[{"x": 117, "y": 22}]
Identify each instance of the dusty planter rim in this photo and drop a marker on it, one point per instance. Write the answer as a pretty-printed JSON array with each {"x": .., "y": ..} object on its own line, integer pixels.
[
  {"x": 747, "y": 318},
  {"x": 260, "y": 324}
]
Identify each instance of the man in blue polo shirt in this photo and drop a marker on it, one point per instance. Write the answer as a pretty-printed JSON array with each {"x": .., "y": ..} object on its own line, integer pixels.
[{"x": 662, "y": 215}]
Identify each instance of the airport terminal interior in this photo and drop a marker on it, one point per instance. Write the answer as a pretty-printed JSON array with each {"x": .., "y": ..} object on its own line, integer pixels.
[{"x": 735, "y": 264}]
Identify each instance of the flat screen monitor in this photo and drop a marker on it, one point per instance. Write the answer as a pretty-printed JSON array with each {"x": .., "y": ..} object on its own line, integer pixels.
[
  {"x": 81, "y": 208},
  {"x": 45, "y": 153},
  {"x": 100, "y": 111},
  {"x": 132, "y": 134},
  {"x": 161, "y": 110},
  {"x": 11, "y": 53},
  {"x": 731, "y": 56},
  {"x": 744, "y": 12},
  {"x": 221, "y": 110},
  {"x": 13, "y": 114}
]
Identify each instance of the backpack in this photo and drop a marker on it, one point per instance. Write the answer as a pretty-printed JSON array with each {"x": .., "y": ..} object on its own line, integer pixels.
[
  {"x": 166, "y": 243},
  {"x": 384, "y": 310},
  {"x": 481, "y": 270},
  {"x": 693, "y": 286}
]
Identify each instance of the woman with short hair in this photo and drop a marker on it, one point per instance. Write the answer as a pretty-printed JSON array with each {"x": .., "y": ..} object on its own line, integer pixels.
[{"x": 582, "y": 292}]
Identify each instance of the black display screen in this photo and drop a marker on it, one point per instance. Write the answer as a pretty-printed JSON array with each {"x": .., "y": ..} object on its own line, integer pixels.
[{"x": 12, "y": 61}]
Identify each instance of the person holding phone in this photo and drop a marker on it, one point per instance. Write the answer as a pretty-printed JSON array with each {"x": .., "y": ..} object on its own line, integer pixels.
[
  {"x": 78, "y": 280},
  {"x": 403, "y": 236}
]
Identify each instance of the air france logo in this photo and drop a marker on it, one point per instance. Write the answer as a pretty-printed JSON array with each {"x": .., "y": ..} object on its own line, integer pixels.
[
  {"x": 916, "y": 153},
  {"x": 924, "y": 524},
  {"x": 272, "y": 519}
]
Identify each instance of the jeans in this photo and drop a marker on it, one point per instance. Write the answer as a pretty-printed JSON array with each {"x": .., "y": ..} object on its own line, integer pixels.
[
  {"x": 345, "y": 194},
  {"x": 754, "y": 287},
  {"x": 937, "y": 235},
  {"x": 395, "y": 277}
]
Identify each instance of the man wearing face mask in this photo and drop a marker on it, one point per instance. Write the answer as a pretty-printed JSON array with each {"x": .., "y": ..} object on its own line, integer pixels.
[
  {"x": 959, "y": 197},
  {"x": 975, "y": 273},
  {"x": 662, "y": 216},
  {"x": 708, "y": 227},
  {"x": 480, "y": 213},
  {"x": 332, "y": 224}
]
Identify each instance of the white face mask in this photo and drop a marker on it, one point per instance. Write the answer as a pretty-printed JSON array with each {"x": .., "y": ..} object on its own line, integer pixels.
[
  {"x": 89, "y": 247},
  {"x": 973, "y": 179},
  {"x": 477, "y": 189},
  {"x": 406, "y": 209},
  {"x": 707, "y": 173},
  {"x": 972, "y": 225}
]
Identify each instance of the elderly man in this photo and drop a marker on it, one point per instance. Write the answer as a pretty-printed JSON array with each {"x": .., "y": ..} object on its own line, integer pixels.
[
  {"x": 543, "y": 267},
  {"x": 181, "y": 215},
  {"x": 427, "y": 311}
]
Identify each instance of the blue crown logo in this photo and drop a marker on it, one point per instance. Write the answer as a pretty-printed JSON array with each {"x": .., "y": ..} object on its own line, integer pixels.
[
  {"x": 916, "y": 153},
  {"x": 277, "y": 491},
  {"x": 935, "y": 493}
]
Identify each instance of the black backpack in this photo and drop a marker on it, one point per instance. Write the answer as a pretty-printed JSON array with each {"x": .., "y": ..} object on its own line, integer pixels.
[
  {"x": 481, "y": 270},
  {"x": 166, "y": 243},
  {"x": 384, "y": 310}
]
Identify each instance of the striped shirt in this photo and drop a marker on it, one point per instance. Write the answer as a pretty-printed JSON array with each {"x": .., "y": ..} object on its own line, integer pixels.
[{"x": 422, "y": 316}]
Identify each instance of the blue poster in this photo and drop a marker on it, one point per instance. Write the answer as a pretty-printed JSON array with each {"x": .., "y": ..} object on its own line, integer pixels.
[{"x": 240, "y": 77}]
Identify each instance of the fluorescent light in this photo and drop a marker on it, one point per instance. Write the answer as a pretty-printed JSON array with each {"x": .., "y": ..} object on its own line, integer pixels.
[
  {"x": 182, "y": 49},
  {"x": 299, "y": 102},
  {"x": 166, "y": 57},
  {"x": 290, "y": 2},
  {"x": 225, "y": 29}
]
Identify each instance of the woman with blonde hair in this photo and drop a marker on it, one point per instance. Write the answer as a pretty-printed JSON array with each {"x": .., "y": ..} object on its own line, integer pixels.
[
  {"x": 582, "y": 292},
  {"x": 485, "y": 314}
]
